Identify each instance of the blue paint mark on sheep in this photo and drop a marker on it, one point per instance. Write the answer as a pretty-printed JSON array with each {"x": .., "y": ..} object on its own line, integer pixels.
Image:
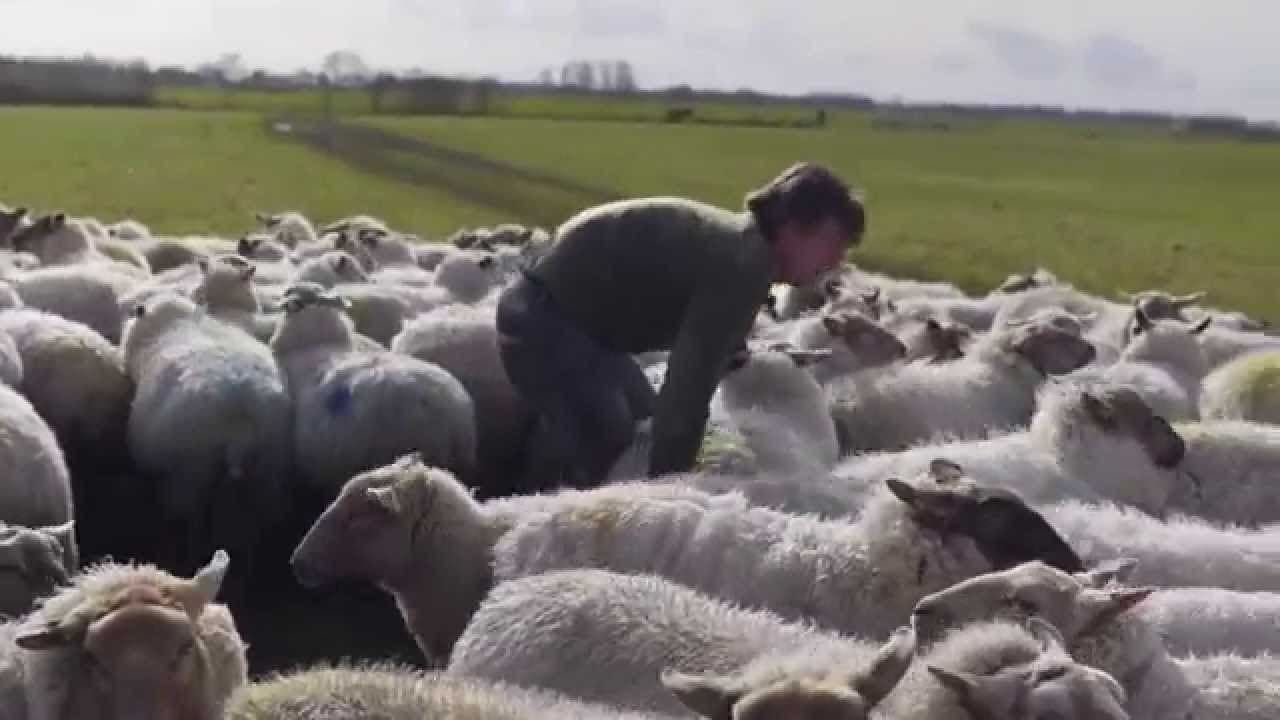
[{"x": 339, "y": 401}]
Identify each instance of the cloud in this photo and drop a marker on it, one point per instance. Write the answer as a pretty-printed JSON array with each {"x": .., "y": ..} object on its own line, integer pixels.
[
  {"x": 1118, "y": 63},
  {"x": 1025, "y": 53},
  {"x": 951, "y": 62},
  {"x": 620, "y": 17}
]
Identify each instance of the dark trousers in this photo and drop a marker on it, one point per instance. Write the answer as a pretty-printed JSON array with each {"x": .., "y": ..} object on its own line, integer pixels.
[{"x": 589, "y": 398}]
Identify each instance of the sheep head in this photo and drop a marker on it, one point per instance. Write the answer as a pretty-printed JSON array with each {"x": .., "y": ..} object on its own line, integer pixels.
[
  {"x": 1052, "y": 685},
  {"x": 1006, "y": 530},
  {"x": 947, "y": 341},
  {"x": 50, "y": 235},
  {"x": 33, "y": 562},
  {"x": 865, "y": 338},
  {"x": 1158, "y": 305},
  {"x": 370, "y": 530},
  {"x": 1022, "y": 282},
  {"x": 1121, "y": 411},
  {"x": 846, "y": 693},
  {"x": 303, "y": 295},
  {"x": 1049, "y": 349},
  {"x": 1079, "y": 604},
  {"x": 143, "y": 645},
  {"x": 10, "y": 221}
]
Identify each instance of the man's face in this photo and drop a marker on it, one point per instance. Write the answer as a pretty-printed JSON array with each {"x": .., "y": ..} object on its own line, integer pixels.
[{"x": 806, "y": 252}]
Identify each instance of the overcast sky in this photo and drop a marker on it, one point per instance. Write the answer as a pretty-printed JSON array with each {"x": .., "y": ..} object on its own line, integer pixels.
[{"x": 1180, "y": 55}]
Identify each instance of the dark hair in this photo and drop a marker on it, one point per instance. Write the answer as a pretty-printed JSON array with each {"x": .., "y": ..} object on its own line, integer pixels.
[{"x": 807, "y": 194}]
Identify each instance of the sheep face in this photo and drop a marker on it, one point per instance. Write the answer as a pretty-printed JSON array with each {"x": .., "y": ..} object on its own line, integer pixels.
[
  {"x": 1006, "y": 530},
  {"x": 1048, "y": 348},
  {"x": 52, "y": 237},
  {"x": 1022, "y": 282},
  {"x": 1169, "y": 341},
  {"x": 874, "y": 345},
  {"x": 259, "y": 247},
  {"x": 1077, "y": 604},
  {"x": 1051, "y": 686},
  {"x": 1121, "y": 411},
  {"x": 1158, "y": 305},
  {"x": 226, "y": 283},
  {"x": 10, "y": 222},
  {"x": 840, "y": 695},
  {"x": 33, "y": 562},
  {"x": 140, "y": 649},
  {"x": 946, "y": 341},
  {"x": 368, "y": 533}
]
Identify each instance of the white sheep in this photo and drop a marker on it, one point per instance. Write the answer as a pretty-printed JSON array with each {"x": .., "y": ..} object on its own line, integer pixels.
[
  {"x": 1199, "y": 621},
  {"x": 1246, "y": 388},
  {"x": 1107, "y": 322},
  {"x": 262, "y": 248},
  {"x": 467, "y": 277},
  {"x": 861, "y": 577},
  {"x": 59, "y": 240},
  {"x": 165, "y": 254},
  {"x": 357, "y": 410},
  {"x": 76, "y": 380},
  {"x": 211, "y": 423},
  {"x": 1222, "y": 345},
  {"x": 389, "y": 692},
  {"x": 125, "y": 641},
  {"x": 612, "y": 638},
  {"x": 1105, "y": 626},
  {"x": 1229, "y": 473},
  {"x": 227, "y": 293},
  {"x": 35, "y": 485},
  {"x": 290, "y": 228},
  {"x": 378, "y": 311},
  {"x": 329, "y": 269},
  {"x": 1164, "y": 363},
  {"x": 1004, "y": 671},
  {"x": 33, "y": 563},
  {"x": 855, "y": 342},
  {"x": 990, "y": 389},
  {"x": 129, "y": 230},
  {"x": 430, "y": 255},
  {"x": 464, "y": 341},
  {"x": 88, "y": 294}
]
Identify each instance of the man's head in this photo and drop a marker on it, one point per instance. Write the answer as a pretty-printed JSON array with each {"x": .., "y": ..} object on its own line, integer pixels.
[{"x": 810, "y": 217}]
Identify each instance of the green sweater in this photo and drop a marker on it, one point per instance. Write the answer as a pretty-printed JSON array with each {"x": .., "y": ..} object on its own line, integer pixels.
[{"x": 658, "y": 274}]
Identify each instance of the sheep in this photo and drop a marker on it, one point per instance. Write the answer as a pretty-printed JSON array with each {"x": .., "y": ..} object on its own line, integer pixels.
[
  {"x": 33, "y": 562},
  {"x": 430, "y": 255},
  {"x": 464, "y": 341},
  {"x": 1199, "y": 621},
  {"x": 611, "y": 638},
  {"x": 344, "y": 398},
  {"x": 164, "y": 254},
  {"x": 262, "y": 248},
  {"x": 389, "y": 692},
  {"x": 467, "y": 277},
  {"x": 129, "y": 230},
  {"x": 1003, "y": 671},
  {"x": 88, "y": 294},
  {"x": 1246, "y": 388},
  {"x": 856, "y": 342},
  {"x": 59, "y": 240},
  {"x": 76, "y": 380},
  {"x": 10, "y": 362},
  {"x": 1022, "y": 282},
  {"x": 912, "y": 539},
  {"x": 290, "y": 228},
  {"x": 35, "y": 484},
  {"x": 226, "y": 292},
  {"x": 1229, "y": 473},
  {"x": 1222, "y": 345},
  {"x": 1164, "y": 363},
  {"x": 1105, "y": 626},
  {"x": 992, "y": 388},
  {"x": 378, "y": 311},
  {"x": 11, "y": 221},
  {"x": 126, "y": 641},
  {"x": 936, "y": 341},
  {"x": 330, "y": 269},
  {"x": 896, "y": 289},
  {"x": 210, "y": 422},
  {"x": 1107, "y": 325}
]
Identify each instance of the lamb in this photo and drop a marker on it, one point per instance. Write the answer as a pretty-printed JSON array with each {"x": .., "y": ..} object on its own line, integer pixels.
[
  {"x": 331, "y": 268},
  {"x": 1105, "y": 626},
  {"x": 861, "y": 577},
  {"x": 125, "y": 641},
  {"x": 88, "y": 294},
  {"x": 464, "y": 341},
  {"x": 33, "y": 562},
  {"x": 1164, "y": 363},
  {"x": 992, "y": 388},
  {"x": 76, "y": 380},
  {"x": 210, "y": 423},
  {"x": 356, "y": 410},
  {"x": 390, "y": 692},
  {"x": 611, "y": 638},
  {"x": 290, "y": 228},
  {"x": 35, "y": 485},
  {"x": 1245, "y": 388}
]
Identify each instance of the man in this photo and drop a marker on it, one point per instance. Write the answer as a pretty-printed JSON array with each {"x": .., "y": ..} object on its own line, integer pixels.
[{"x": 654, "y": 274}]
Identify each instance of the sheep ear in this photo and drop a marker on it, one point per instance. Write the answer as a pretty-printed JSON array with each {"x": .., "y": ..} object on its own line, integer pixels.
[
  {"x": 945, "y": 472},
  {"x": 872, "y": 296},
  {"x": 964, "y": 685},
  {"x": 1203, "y": 325},
  {"x": 203, "y": 589},
  {"x": 248, "y": 271},
  {"x": 710, "y": 697},
  {"x": 1105, "y": 606},
  {"x": 888, "y": 667},
  {"x": 933, "y": 326},
  {"x": 57, "y": 221},
  {"x": 385, "y": 498},
  {"x": 1142, "y": 319},
  {"x": 202, "y": 262},
  {"x": 805, "y": 358},
  {"x": 486, "y": 262},
  {"x": 1117, "y": 570},
  {"x": 1048, "y": 635},
  {"x": 46, "y": 637},
  {"x": 340, "y": 262},
  {"x": 903, "y": 491},
  {"x": 833, "y": 325}
]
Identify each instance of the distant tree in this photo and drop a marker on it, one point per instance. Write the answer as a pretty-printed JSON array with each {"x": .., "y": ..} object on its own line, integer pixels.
[
  {"x": 624, "y": 78},
  {"x": 345, "y": 66},
  {"x": 604, "y": 75},
  {"x": 547, "y": 77},
  {"x": 228, "y": 68}
]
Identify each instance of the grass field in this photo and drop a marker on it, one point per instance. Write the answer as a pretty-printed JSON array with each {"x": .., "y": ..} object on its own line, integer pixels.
[{"x": 1107, "y": 208}]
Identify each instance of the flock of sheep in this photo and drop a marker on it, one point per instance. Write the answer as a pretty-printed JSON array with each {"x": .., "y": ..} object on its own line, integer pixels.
[{"x": 911, "y": 504}]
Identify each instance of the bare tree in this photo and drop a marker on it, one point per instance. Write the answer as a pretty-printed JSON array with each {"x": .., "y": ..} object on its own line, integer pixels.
[{"x": 345, "y": 66}]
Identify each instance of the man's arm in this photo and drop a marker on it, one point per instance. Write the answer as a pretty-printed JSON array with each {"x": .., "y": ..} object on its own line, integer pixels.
[{"x": 715, "y": 324}]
